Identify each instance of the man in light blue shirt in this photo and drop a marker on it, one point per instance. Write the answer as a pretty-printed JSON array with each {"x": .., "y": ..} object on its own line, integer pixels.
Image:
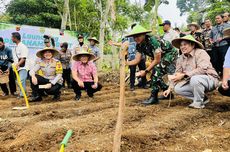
[{"x": 225, "y": 87}]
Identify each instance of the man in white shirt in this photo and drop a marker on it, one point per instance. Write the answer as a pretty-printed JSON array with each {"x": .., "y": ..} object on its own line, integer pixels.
[
  {"x": 169, "y": 34},
  {"x": 20, "y": 56}
]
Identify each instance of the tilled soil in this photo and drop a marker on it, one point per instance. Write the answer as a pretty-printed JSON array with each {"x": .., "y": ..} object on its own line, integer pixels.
[{"x": 153, "y": 128}]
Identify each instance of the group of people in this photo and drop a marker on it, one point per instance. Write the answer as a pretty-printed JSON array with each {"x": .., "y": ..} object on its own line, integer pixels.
[
  {"x": 193, "y": 62},
  {"x": 53, "y": 69}
]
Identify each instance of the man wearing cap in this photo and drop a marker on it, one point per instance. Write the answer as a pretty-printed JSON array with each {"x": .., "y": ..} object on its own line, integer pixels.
[
  {"x": 224, "y": 89},
  {"x": 65, "y": 58},
  {"x": 169, "y": 33},
  {"x": 20, "y": 57},
  {"x": 50, "y": 81},
  {"x": 81, "y": 46},
  {"x": 206, "y": 37},
  {"x": 194, "y": 74},
  {"x": 163, "y": 54},
  {"x": 84, "y": 74},
  {"x": 6, "y": 58},
  {"x": 194, "y": 31},
  {"x": 95, "y": 50},
  {"x": 219, "y": 46}
]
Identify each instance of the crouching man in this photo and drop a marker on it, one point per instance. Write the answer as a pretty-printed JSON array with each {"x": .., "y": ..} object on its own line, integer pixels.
[
  {"x": 84, "y": 74},
  {"x": 194, "y": 75},
  {"x": 49, "y": 79}
]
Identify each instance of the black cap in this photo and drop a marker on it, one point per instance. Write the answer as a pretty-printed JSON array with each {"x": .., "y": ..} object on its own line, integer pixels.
[
  {"x": 165, "y": 22},
  {"x": 80, "y": 36}
]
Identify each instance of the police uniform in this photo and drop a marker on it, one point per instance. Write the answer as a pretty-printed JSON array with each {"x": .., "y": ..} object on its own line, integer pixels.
[
  {"x": 79, "y": 48},
  {"x": 49, "y": 73},
  {"x": 168, "y": 59}
]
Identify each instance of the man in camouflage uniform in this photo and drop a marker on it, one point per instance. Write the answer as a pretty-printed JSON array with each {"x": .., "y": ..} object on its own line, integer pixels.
[
  {"x": 50, "y": 78},
  {"x": 206, "y": 37},
  {"x": 163, "y": 59}
]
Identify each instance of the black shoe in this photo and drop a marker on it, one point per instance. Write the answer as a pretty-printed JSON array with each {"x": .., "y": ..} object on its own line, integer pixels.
[
  {"x": 77, "y": 98},
  {"x": 56, "y": 97},
  {"x": 171, "y": 95},
  {"x": 151, "y": 100},
  {"x": 35, "y": 99}
]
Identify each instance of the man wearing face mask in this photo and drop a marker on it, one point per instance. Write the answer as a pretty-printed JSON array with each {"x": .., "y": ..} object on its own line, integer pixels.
[
  {"x": 163, "y": 56},
  {"x": 50, "y": 80}
]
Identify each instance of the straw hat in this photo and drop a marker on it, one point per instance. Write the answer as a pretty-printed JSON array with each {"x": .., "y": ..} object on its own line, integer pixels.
[
  {"x": 77, "y": 56},
  {"x": 226, "y": 33},
  {"x": 4, "y": 78},
  {"x": 194, "y": 24},
  {"x": 52, "y": 50},
  {"x": 177, "y": 42},
  {"x": 138, "y": 29},
  {"x": 93, "y": 38}
]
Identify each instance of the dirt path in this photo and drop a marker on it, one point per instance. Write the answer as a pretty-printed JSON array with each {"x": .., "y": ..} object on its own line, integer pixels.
[{"x": 152, "y": 128}]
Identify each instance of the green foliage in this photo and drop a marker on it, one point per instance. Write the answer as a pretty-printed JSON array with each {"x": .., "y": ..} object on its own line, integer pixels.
[{"x": 34, "y": 12}]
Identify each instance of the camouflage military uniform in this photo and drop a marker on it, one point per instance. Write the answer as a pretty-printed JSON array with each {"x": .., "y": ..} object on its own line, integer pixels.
[
  {"x": 167, "y": 63},
  {"x": 206, "y": 39},
  {"x": 49, "y": 73}
]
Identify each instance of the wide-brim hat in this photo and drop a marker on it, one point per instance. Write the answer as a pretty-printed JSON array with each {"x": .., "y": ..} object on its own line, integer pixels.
[
  {"x": 176, "y": 42},
  {"x": 194, "y": 24},
  {"x": 78, "y": 55},
  {"x": 93, "y": 38},
  {"x": 52, "y": 50},
  {"x": 226, "y": 33},
  {"x": 137, "y": 30}
]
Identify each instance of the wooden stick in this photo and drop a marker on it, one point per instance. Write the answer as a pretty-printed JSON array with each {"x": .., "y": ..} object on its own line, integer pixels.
[{"x": 118, "y": 131}]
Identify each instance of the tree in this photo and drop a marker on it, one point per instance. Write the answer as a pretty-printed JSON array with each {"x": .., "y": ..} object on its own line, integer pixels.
[{"x": 34, "y": 12}]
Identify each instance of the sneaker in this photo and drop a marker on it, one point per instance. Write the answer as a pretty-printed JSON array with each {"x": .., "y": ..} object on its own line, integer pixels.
[
  {"x": 132, "y": 89},
  {"x": 5, "y": 94},
  {"x": 77, "y": 98},
  {"x": 206, "y": 100},
  {"x": 196, "y": 105},
  {"x": 56, "y": 97},
  {"x": 35, "y": 99}
]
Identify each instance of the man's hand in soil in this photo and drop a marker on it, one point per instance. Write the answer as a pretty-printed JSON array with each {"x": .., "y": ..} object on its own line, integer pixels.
[
  {"x": 141, "y": 73},
  {"x": 94, "y": 86},
  {"x": 81, "y": 84},
  {"x": 34, "y": 80},
  {"x": 225, "y": 85}
]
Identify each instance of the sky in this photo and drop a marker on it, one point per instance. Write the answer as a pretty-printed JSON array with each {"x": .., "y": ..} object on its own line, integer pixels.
[{"x": 172, "y": 13}]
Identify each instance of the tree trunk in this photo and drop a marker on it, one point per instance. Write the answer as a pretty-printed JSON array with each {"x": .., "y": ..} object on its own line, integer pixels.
[
  {"x": 155, "y": 18},
  {"x": 65, "y": 15},
  {"x": 103, "y": 21}
]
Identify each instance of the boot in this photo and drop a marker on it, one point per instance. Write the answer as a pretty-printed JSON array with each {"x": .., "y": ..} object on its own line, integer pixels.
[{"x": 153, "y": 99}]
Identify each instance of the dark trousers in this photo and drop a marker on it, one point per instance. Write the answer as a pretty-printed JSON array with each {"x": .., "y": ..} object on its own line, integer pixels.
[
  {"x": 132, "y": 69},
  {"x": 12, "y": 84},
  {"x": 88, "y": 87},
  {"x": 217, "y": 58},
  {"x": 54, "y": 90},
  {"x": 66, "y": 77},
  {"x": 225, "y": 92}
]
